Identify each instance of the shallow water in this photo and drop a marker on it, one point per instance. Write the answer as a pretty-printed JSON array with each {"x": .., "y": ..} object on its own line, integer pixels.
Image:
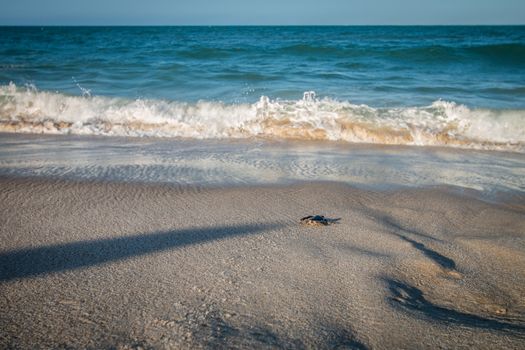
[{"x": 226, "y": 163}]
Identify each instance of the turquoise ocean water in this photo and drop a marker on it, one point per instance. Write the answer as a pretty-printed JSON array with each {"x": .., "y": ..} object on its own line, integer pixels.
[
  {"x": 245, "y": 105},
  {"x": 452, "y": 86},
  {"x": 376, "y": 66}
]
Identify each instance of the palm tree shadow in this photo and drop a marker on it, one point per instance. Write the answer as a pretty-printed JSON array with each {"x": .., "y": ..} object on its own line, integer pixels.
[{"x": 30, "y": 262}]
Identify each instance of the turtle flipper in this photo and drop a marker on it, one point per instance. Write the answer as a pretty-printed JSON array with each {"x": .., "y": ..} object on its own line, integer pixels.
[{"x": 318, "y": 220}]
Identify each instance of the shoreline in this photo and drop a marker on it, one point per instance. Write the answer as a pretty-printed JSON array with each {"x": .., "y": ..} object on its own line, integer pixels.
[
  {"x": 271, "y": 187},
  {"x": 504, "y": 198},
  {"x": 260, "y": 139},
  {"x": 240, "y": 162},
  {"x": 101, "y": 264}
]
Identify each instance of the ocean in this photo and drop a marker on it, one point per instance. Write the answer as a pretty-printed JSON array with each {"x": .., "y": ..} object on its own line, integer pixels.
[
  {"x": 458, "y": 86},
  {"x": 453, "y": 87},
  {"x": 153, "y": 181}
]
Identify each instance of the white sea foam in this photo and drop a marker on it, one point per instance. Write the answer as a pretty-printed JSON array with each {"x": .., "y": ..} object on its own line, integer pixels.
[{"x": 29, "y": 110}]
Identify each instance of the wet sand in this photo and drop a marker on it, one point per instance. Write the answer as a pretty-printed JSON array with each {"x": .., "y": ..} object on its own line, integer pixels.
[{"x": 109, "y": 265}]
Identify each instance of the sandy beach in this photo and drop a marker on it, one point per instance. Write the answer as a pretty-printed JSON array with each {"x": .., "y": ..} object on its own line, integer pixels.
[
  {"x": 157, "y": 159},
  {"x": 116, "y": 265}
]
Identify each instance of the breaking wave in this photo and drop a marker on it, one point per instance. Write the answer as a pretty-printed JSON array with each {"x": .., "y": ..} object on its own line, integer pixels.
[{"x": 28, "y": 110}]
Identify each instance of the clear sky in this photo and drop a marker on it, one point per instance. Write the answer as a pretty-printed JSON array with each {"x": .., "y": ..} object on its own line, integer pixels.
[{"x": 189, "y": 12}]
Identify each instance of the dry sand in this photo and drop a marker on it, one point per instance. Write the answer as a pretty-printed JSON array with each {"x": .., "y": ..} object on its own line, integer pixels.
[{"x": 101, "y": 265}]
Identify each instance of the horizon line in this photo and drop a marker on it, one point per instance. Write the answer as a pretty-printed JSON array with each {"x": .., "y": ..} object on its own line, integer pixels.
[{"x": 265, "y": 25}]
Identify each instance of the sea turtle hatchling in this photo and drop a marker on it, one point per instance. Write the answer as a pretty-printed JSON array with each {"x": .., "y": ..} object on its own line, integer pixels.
[{"x": 317, "y": 220}]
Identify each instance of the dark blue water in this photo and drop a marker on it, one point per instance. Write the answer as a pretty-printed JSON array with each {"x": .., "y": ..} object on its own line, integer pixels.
[
  {"x": 378, "y": 66},
  {"x": 426, "y": 86}
]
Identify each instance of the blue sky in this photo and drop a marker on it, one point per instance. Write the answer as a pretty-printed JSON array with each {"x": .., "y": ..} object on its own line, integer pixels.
[{"x": 189, "y": 12}]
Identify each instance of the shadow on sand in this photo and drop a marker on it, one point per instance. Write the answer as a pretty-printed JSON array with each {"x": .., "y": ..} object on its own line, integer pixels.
[
  {"x": 441, "y": 260},
  {"x": 412, "y": 299},
  {"x": 69, "y": 256},
  {"x": 226, "y": 336}
]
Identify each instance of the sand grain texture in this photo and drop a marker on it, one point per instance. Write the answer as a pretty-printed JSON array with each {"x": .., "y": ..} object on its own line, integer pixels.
[{"x": 107, "y": 265}]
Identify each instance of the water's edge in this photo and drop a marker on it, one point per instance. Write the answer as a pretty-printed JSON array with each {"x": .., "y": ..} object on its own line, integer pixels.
[
  {"x": 447, "y": 124},
  {"x": 183, "y": 162}
]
